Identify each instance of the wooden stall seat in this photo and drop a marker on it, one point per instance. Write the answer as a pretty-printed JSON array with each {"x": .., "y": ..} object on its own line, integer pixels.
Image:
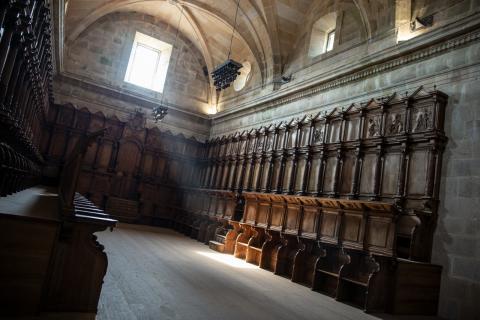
[
  {"x": 208, "y": 215},
  {"x": 205, "y": 215},
  {"x": 215, "y": 220},
  {"x": 289, "y": 237},
  {"x": 342, "y": 248},
  {"x": 274, "y": 229},
  {"x": 246, "y": 225},
  {"x": 256, "y": 242},
  {"x": 225, "y": 234}
]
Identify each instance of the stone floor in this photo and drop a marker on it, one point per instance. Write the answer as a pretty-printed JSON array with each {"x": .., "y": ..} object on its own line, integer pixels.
[{"x": 156, "y": 273}]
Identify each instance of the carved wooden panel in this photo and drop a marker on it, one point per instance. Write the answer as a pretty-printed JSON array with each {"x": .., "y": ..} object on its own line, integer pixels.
[
  {"x": 292, "y": 216},
  {"x": 277, "y": 213},
  {"x": 348, "y": 170},
  {"x": 265, "y": 174},
  {"x": 417, "y": 174},
  {"x": 250, "y": 211},
  {"x": 280, "y": 139},
  {"x": 245, "y": 177},
  {"x": 330, "y": 173},
  {"x": 299, "y": 176},
  {"x": 392, "y": 162},
  {"x": 230, "y": 206},
  {"x": 369, "y": 165},
  {"x": 335, "y": 134},
  {"x": 277, "y": 166},
  {"x": 314, "y": 175},
  {"x": 263, "y": 212},
  {"x": 238, "y": 178},
  {"x": 256, "y": 174},
  {"x": 292, "y": 138},
  {"x": 352, "y": 232},
  {"x": 90, "y": 155},
  {"x": 310, "y": 218},
  {"x": 352, "y": 127},
  {"x": 287, "y": 176},
  {"x": 129, "y": 153},
  {"x": 104, "y": 155}
]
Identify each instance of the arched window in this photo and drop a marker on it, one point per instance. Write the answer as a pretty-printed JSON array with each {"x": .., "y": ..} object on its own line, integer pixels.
[
  {"x": 148, "y": 64},
  {"x": 323, "y": 35}
]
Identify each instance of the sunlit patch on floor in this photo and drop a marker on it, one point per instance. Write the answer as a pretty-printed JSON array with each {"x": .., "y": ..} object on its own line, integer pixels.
[{"x": 227, "y": 259}]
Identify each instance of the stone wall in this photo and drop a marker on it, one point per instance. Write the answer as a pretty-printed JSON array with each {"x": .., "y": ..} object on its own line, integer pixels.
[
  {"x": 452, "y": 64},
  {"x": 101, "y": 53}
]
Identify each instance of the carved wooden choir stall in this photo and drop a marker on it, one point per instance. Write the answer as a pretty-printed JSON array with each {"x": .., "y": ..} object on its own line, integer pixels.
[
  {"x": 344, "y": 202},
  {"x": 50, "y": 260},
  {"x": 132, "y": 172}
]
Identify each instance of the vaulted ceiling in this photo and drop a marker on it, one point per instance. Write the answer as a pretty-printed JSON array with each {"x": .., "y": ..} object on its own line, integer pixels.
[{"x": 267, "y": 30}]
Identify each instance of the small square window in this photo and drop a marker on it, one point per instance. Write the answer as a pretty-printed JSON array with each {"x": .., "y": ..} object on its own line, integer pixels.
[
  {"x": 148, "y": 64},
  {"x": 330, "y": 40}
]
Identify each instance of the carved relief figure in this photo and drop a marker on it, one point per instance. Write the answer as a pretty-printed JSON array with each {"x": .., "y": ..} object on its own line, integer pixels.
[
  {"x": 396, "y": 125},
  {"x": 260, "y": 146},
  {"x": 291, "y": 139},
  {"x": 373, "y": 127},
  {"x": 250, "y": 146},
  {"x": 269, "y": 143},
  {"x": 422, "y": 120},
  {"x": 137, "y": 121},
  {"x": 135, "y": 126},
  {"x": 318, "y": 135}
]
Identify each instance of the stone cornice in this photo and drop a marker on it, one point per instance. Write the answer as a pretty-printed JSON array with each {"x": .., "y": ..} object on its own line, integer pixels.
[{"x": 423, "y": 47}]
